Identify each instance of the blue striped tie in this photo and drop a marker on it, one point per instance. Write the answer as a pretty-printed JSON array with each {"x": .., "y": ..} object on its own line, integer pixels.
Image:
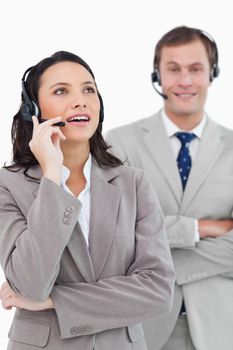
[{"x": 184, "y": 161}]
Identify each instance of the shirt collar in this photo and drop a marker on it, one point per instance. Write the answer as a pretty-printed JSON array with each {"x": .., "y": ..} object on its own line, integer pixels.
[
  {"x": 86, "y": 171},
  {"x": 172, "y": 128}
]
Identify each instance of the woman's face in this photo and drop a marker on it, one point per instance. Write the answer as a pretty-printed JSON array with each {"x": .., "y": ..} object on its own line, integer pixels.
[{"x": 68, "y": 90}]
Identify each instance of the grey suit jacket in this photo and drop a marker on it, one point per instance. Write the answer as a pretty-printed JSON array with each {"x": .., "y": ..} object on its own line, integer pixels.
[
  {"x": 204, "y": 270},
  {"x": 101, "y": 293}
]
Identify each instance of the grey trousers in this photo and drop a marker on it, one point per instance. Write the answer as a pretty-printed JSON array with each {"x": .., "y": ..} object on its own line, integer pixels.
[{"x": 180, "y": 338}]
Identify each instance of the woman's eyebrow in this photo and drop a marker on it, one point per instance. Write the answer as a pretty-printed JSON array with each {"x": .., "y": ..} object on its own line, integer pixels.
[
  {"x": 59, "y": 83},
  {"x": 67, "y": 84}
]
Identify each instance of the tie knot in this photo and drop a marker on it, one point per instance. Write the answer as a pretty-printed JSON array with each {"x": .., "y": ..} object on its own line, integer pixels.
[{"x": 185, "y": 137}]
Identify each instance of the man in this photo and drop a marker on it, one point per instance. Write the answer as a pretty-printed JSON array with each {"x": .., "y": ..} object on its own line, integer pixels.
[{"x": 190, "y": 161}]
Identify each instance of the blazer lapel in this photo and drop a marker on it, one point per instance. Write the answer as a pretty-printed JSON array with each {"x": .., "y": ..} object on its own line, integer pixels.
[
  {"x": 210, "y": 148},
  {"x": 157, "y": 142},
  {"x": 78, "y": 249},
  {"x": 105, "y": 200}
]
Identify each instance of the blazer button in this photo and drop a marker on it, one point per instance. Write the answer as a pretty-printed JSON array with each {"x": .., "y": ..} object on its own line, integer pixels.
[
  {"x": 70, "y": 208},
  {"x": 74, "y": 330},
  {"x": 67, "y": 214},
  {"x": 81, "y": 329},
  {"x": 189, "y": 277},
  {"x": 66, "y": 221}
]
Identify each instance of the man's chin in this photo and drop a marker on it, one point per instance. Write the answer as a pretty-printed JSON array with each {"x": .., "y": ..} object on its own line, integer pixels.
[{"x": 185, "y": 112}]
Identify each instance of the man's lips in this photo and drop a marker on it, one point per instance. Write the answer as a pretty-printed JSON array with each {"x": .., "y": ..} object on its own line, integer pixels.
[{"x": 185, "y": 94}]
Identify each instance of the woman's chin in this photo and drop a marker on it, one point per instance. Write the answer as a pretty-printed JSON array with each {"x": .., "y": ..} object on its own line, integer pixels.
[{"x": 76, "y": 140}]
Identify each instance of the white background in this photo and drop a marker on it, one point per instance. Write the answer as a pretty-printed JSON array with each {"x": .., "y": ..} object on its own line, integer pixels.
[{"x": 117, "y": 39}]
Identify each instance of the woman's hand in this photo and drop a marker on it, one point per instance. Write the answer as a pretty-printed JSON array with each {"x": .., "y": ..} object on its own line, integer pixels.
[
  {"x": 11, "y": 299},
  {"x": 45, "y": 145}
]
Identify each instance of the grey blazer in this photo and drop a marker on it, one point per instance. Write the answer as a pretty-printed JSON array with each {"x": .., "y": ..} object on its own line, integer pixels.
[
  {"x": 101, "y": 293},
  {"x": 204, "y": 270}
]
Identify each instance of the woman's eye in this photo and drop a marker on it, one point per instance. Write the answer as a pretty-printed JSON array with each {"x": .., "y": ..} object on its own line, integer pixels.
[
  {"x": 60, "y": 91},
  {"x": 90, "y": 90}
]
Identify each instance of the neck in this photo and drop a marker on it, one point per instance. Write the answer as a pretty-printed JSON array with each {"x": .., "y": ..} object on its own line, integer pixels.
[
  {"x": 75, "y": 156},
  {"x": 185, "y": 122}
]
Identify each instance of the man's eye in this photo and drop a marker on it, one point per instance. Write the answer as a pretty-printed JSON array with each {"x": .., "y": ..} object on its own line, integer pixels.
[
  {"x": 60, "y": 91},
  {"x": 196, "y": 69},
  {"x": 173, "y": 69}
]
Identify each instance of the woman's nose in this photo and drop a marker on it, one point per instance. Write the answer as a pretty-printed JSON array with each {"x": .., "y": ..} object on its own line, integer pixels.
[
  {"x": 79, "y": 104},
  {"x": 78, "y": 101}
]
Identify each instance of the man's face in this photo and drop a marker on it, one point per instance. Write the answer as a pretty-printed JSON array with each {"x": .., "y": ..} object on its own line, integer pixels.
[{"x": 185, "y": 78}]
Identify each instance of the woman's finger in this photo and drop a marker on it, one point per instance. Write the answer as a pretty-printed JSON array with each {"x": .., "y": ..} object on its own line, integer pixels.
[
  {"x": 47, "y": 122},
  {"x": 4, "y": 285},
  {"x": 50, "y": 122},
  {"x": 7, "y": 292},
  {"x": 6, "y": 304},
  {"x": 35, "y": 124},
  {"x": 40, "y": 128},
  {"x": 4, "y": 288},
  {"x": 56, "y": 131}
]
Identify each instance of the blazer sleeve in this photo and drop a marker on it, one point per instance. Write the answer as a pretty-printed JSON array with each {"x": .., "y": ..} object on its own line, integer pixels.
[
  {"x": 212, "y": 256},
  {"x": 180, "y": 231},
  {"x": 146, "y": 290},
  {"x": 30, "y": 265}
]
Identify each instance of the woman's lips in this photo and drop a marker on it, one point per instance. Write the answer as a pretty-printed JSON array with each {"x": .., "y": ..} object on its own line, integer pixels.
[{"x": 78, "y": 119}]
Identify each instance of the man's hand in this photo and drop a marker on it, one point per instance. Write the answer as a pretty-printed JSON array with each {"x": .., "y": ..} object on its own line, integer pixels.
[
  {"x": 11, "y": 299},
  {"x": 214, "y": 228}
]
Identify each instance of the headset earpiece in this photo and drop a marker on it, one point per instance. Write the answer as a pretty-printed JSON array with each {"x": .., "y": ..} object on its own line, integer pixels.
[
  {"x": 101, "y": 108},
  {"x": 214, "y": 72},
  {"x": 155, "y": 76},
  {"x": 29, "y": 107}
]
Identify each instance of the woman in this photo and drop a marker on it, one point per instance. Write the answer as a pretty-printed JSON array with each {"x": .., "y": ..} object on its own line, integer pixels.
[{"x": 82, "y": 240}]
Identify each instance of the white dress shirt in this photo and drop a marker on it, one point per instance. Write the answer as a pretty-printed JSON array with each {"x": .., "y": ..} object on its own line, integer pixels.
[
  {"x": 84, "y": 197},
  {"x": 171, "y": 129}
]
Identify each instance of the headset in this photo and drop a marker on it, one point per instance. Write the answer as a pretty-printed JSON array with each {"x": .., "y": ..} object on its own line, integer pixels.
[
  {"x": 30, "y": 108},
  {"x": 215, "y": 71}
]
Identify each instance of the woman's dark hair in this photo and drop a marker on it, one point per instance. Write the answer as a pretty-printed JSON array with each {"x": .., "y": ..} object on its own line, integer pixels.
[{"x": 21, "y": 131}]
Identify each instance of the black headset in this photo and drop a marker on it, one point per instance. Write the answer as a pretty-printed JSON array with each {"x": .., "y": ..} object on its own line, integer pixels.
[
  {"x": 30, "y": 108},
  {"x": 215, "y": 71}
]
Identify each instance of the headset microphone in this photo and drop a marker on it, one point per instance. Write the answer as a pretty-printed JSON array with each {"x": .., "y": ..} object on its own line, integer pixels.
[{"x": 155, "y": 78}]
